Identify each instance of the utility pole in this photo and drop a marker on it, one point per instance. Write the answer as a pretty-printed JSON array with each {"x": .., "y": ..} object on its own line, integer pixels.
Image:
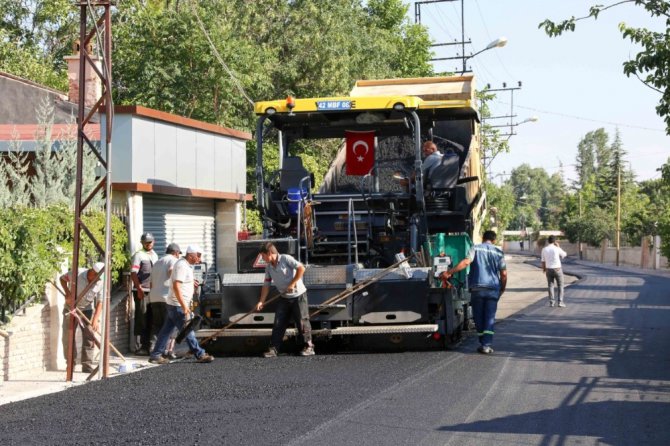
[
  {"x": 91, "y": 26},
  {"x": 618, "y": 213},
  {"x": 579, "y": 240},
  {"x": 462, "y": 56}
]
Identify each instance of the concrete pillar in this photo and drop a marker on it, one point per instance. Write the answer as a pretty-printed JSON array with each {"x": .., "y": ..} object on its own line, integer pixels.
[
  {"x": 135, "y": 220},
  {"x": 644, "y": 252},
  {"x": 56, "y": 302},
  {"x": 228, "y": 223},
  {"x": 135, "y": 228},
  {"x": 657, "y": 252}
]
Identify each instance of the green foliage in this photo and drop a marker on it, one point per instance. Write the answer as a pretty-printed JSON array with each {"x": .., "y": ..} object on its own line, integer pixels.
[
  {"x": 163, "y": 60},
  {"x": 36, "y": 218},
  {"x": 35, "y": 35},
  {"x": 538, "y": 197},
  {"x": 14, "y": 180},
  {"x": 54, "y": 166},
  {"x": 28, "y": 251},
  {"x": 501, "y": 202},
  {"x": 599, "y": 166},
  {"x": 659, "y": 211},
  {"x": 29, "y": 62},
  {"x": 95, "y": 222},
  {"x": 593, "y": 227},
  {"x": 34, "y": 243},
  {"x": 652, "y": 64}
]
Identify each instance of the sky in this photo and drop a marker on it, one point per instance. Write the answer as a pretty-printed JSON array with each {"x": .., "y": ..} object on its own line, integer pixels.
[{"x": 573, "y": 83}]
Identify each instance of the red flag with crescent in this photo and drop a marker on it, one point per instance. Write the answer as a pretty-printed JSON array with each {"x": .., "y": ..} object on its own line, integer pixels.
[{"x": 360, "y": 152}]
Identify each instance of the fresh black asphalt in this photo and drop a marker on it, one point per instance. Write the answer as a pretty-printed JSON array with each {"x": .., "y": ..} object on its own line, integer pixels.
[{"x": 595, "y": 373}]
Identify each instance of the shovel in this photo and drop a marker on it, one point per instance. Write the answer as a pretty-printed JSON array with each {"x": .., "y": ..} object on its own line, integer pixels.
[{"x": 192, "y": 325}]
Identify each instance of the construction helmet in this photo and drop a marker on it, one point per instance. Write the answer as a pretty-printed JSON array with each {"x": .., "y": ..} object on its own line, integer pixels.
[{"x": 147, "y": 237}]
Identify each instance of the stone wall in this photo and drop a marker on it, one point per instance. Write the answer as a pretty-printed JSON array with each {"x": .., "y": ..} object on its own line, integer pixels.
[
  {"x": 34, "y": 342},
  {"x": 641, "y": 257},
  {"x": 27, "y": 348}
]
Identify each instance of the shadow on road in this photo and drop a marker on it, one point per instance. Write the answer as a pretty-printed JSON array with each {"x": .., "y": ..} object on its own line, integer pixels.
[
  {"x": 618, "y": 320},
  {"x": 581, "y": 420}
]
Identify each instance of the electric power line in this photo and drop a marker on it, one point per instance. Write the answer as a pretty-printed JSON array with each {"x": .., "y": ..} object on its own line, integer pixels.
[
  {"x": 237, "y": 83},
  {"x": 581, "y": 118}
]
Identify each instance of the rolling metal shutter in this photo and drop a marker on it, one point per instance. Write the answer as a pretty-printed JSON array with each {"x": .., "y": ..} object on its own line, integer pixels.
[{"x": 183, "y": 220}]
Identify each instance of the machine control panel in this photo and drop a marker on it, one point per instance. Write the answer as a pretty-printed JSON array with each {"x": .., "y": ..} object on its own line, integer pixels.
[{"x": 440, "y": 265}]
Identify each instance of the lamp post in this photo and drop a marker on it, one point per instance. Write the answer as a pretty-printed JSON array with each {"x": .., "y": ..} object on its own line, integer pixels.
[
  {"x": 618, "y": 213},
  {"x": 579, "y": 241},
  {"x": 498, "y": 43},
  {"x": 487, "y": 160}
]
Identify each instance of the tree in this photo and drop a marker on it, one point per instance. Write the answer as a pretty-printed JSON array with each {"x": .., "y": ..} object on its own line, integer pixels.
[
  {"x": 492, "y": 141},
  {"x": 659, "y": 193},
  {"x": 14, "y": 180},
  {"x": 28, "y": 62},
  {"x": 652, "y": 64},
  {"x": 270, "y": 48},
  {"x": 501, "y": 203},
  {"x": 35, "y": 35},
  {"x": 530, "y": 198},
  {"x": 594, "y": 226},
  {"x": 586, "y": 162}
]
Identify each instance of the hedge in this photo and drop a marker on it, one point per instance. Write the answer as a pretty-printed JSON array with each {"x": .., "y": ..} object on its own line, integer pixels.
[{"x": 34, "y": 243}]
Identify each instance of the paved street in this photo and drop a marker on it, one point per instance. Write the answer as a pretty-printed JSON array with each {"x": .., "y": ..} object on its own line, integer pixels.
[{"x": 594, "y": 373}]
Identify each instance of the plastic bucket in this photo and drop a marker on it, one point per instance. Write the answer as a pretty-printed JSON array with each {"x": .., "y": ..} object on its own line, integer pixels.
[{"x": 294, "y": 197}]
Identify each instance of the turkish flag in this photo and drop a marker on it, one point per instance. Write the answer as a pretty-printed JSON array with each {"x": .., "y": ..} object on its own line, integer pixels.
[{"x": 360, "y": 152}]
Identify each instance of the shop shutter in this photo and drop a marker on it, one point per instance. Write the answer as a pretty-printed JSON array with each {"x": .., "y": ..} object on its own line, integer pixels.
[{"x": 183, "y": 220}]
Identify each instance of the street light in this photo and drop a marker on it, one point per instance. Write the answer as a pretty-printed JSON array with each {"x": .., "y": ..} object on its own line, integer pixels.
[
  {"x": 511, "y": 125},
  {"x": 531, "y": 119},
  {"x": 498, "y": 43}
]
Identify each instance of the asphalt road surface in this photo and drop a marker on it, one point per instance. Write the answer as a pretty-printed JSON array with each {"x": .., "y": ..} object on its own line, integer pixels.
[{"x": 594, "y": 373}]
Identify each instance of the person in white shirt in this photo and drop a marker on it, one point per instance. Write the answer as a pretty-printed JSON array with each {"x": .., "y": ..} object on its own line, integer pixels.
[
  {"x": 179, "y": 300},
  {"x": 551, "y": 267},
  {"x": 160, "y": 289}
]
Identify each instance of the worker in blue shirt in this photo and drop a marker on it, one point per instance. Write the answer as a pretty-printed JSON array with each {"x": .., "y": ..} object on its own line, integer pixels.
[{"x": 487, "y": 281}]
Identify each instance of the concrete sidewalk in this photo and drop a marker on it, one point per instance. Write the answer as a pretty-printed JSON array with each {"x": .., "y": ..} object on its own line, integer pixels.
[
  {"x": 526, "y": 286},
  {"x": 45, "y": 382}
]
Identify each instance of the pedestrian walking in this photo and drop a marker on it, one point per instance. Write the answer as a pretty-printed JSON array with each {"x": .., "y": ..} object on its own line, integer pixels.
[
  {"x": 91, "y": 305},
  {"x": 487, "y": 280},
  {"x": 179, "y": 301},
  {"x": 160, "y": 289},
  {"x": 286, "y": 274},
  {"x": 552, "y": 268},
  {"x": 140, "y": 274}
]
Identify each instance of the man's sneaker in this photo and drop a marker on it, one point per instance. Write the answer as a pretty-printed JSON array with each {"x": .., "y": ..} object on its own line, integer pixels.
[
  {"x": 170, "y": 356},
  {"x": 271, "y": 353},
  {"x": 551, "y": 304},
  {"x": 485, "y": 349},
  {"x": 562, "y": 305},
  {"x": 142, "y": 352},
  {"x": 205, "y": 358},
  {"x": 159, "y": 360},
  {"x": 307, "y": 351}
]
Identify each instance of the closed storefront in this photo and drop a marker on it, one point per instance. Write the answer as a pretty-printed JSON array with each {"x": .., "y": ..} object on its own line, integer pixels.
[{"x": 183, "y": 220}]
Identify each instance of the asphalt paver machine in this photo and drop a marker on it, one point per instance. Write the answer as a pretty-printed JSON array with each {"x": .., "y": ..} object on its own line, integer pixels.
[{"x": 376, "y": 207}]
